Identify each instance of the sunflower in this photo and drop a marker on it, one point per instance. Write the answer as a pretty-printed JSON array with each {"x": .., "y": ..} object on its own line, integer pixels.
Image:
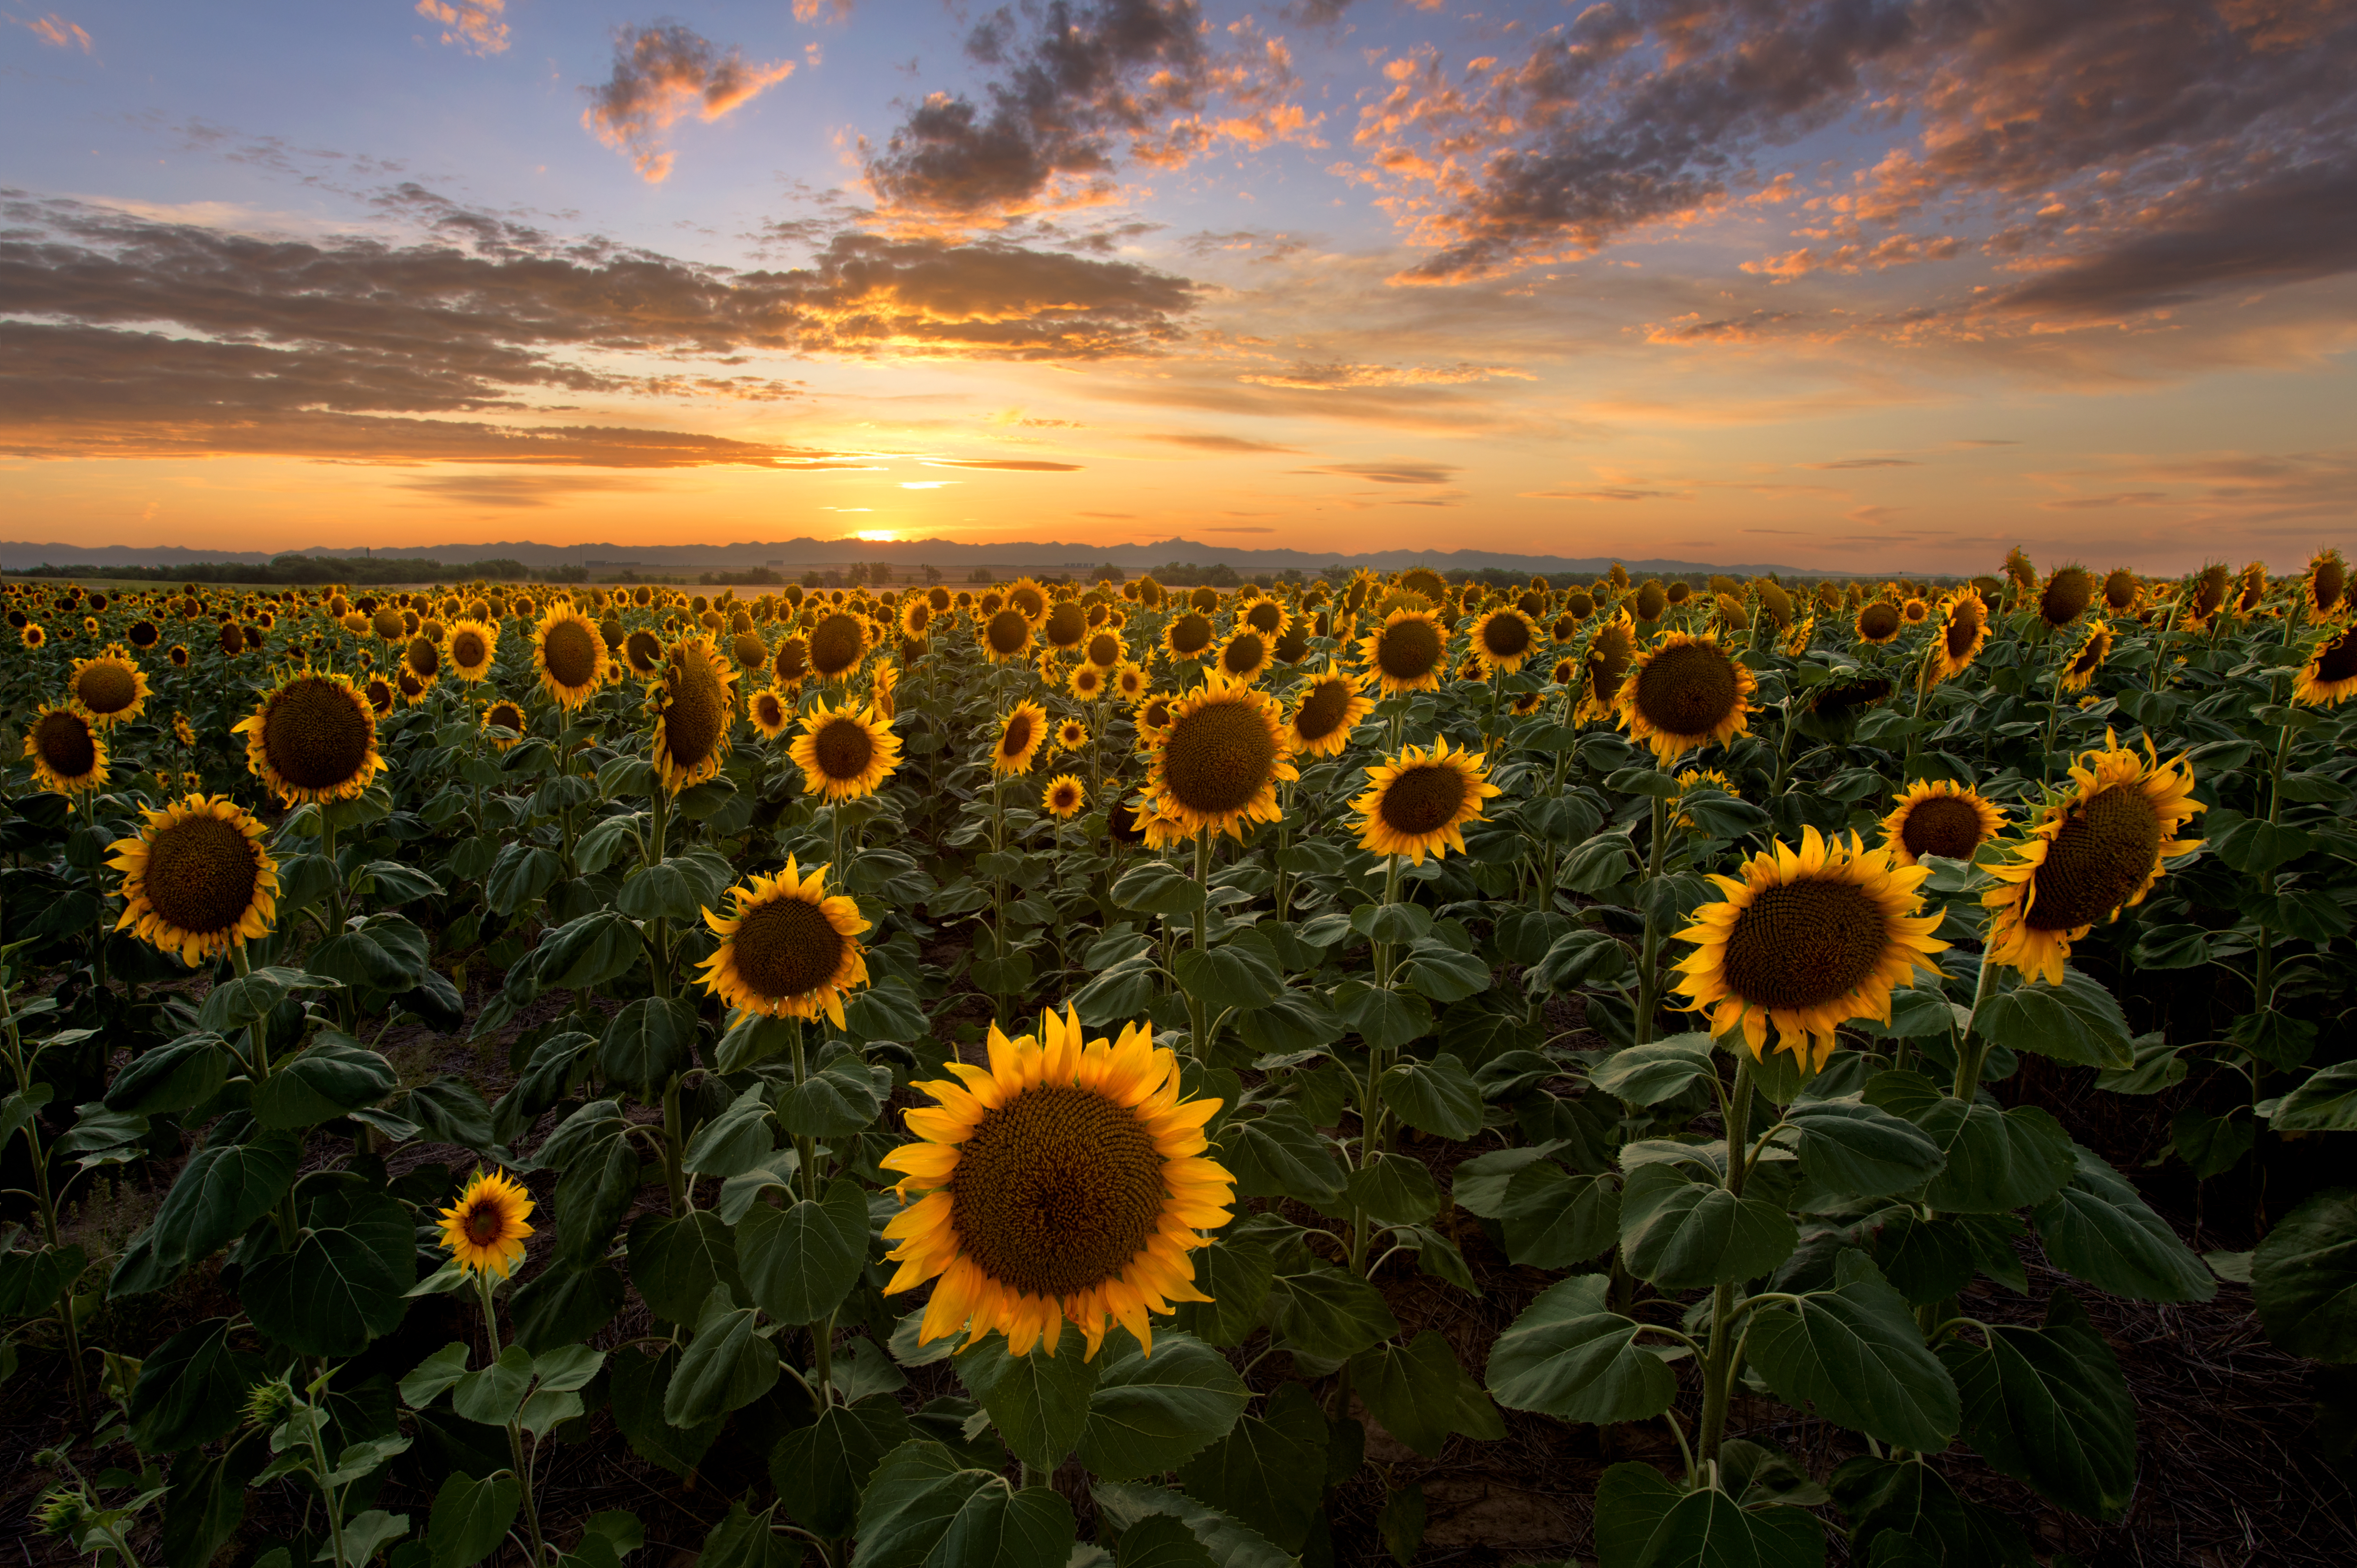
[
  {"x": 1216, "y": 765},
  {"x": 182, "y": 730},
  {"x": 2330, "y": 676},
  {"x": 196, "y": 880},
  {"x": 1694, "y": 778},
  {"x": 1878, "y": 622},
  {"x": 1406, "y": 652},
  {"x": 1021, "y": 733},
  {"x": 1106, "y": 650},
  {"x": 837, "y": 644},
  {"x": 1071, "y": 735},
  {"x": 313, "y": 739},
  {"x": 786, "y": 949},
  {"x": 2123, "y": 591},
  {"x": 882, "y": 682},
  {"x": 1027, "y": 599},
  {"x": 2208, "y": 594},
  {"x": 179, "y": 654},
  {"x": 695, "y": 704},
  {"x": 2325, "y": 587},
  {"x": 471, "y": 646},
  {"x": 66, "y": 749},
  {"x": 379, "y": 694},
  {"x": 1152, "y": 713},
  {"x": 1940, "y": 817},
  {"x": 1130, "y": 681},
  {"x": 1914, "y": 611},
  {"x": 569, "y": 651},
  {"x": 845, "y": 752},
  {"x": 387, "y": 625},
  {"x": 1244, "y": 657},
  {"x": 771, "y": 712},
  {"x": 1808, "y": 941},
  {"x": 421, "y": 657},
  {"x": 1005, "y": 636},
  {"x": 1188, "y": 635},
  {"x": 1087, "y": 682},
  {"x": 1064, "y": 797},
  {"x": 1330, "y": 705},
  {"x": 2068, "y": 592},
  {"x": 1418, "y": 802},
  {"x": 1266, "y": 615},
  {"x": 143, "y": 634},
  {"x": 1963, "y": 630},
  {"x": 1065, "y": 1182},
  {"x": 504, "y": 716},
  {"x": 1604, "y": 669},
  {"x": 109, "y": 689},
  {"x": 1506, "y": 638},
  {"x": 1683, "y": 693},
  {"x": 484, "y": 1230},
  {"x": 1066, "y": 625},
  {"x": 2080, "y": 671}
]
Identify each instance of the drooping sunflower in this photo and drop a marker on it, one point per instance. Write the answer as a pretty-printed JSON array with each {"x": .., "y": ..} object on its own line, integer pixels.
[
  {"x": 2079, "y": 670},
  {"x": 1065, "y": 1182},
  {"x": 1604, "y": 669},
  {"x": 1216, "y": 765},
  {"x": 1963, "y": 630},
  {"x": 1696, "y": 779},
  {"x": 313, "y": 739},
  {"x": 484, "y": 1230},
  {"x": 504, "y": 724},
  {"x": 2325, "y": 588},
  {"x": 883, "y": 681},
  {"x": 769, "y": 711},
  {"x": 1808, "y": 941},
  {"x": 1328, "y": 707},
  {"x": 471, "y": 646},
  {"x": 569, "y": 652},
  {"x": 1878, "y": 622},
  {"x": 1188, "y": 635},
  {"x": 1244, "y": 657},
  {"x": 67, "y": 751},
  {"x": 694, "y": 706},
  {"x": 1021, "y": 733},
  {"x": 1940, "y": 817},
  {"x": 1406, "y": 652},
  {"x": 837, "y": 644},
  {"x": 1064, "y": 797},
  {"x": 2330, "y": 676},
  {"x": 379, "y": 694},
  {"x": 1505, "y": 639},
  {"x": 182, "y": 730},
  {"x": 1066, "y": 625},
  {"x": 2096, "y": 850},
  {"x": 787, "y": 948},
  {"x": 845, "y": 752},
  {"x": 196, "y": 880},
  {"x": 2068, "y": 592},
  {"x": 1419, "y": 802},
  {"x": 1683, "y": 693},
  {"x": 1005, "y": 636},
  {"x": 2123, "y": 591}
]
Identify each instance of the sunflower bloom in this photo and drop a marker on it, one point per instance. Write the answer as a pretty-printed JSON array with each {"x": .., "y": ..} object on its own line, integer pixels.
[
  {"x": 1064, "y": 797},
  {"x": 1406, "y": 654},
  {"x": 1506, "y": 638},
  {"x": 2079, "y": 672},
  {"x": 1685, "y": 691},
  {"x": 1246, "y": 656},
  {"x": 1940, "y": 817},
  {"x": 1330, "y": 706},
  {"x": 694, "y": 706},
  {"x": 787, "y": 948},
  {"x": 484, "y": 1230},
  {"x": 109, "y": 688},
  {"x": 472, "y": 646},
  {"x": 2330, "y": 676},
  {"x": 1065, "y": 1182},
  {"x": 313, "y": 739},
  {"x": 1216, "y": 764},
  {"x": 1963, "y": 631},
  {"x": 845, "y": 752},
  {"x": 569, "y": 652},
  {"x": 1418, "y": 802}
]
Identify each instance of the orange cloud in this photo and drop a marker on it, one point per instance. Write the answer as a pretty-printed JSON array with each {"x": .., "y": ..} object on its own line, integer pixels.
[
  {"x": 474, "y": 26},
  {"x": 55, "y": 29},
  {"x": 660, "y": 75}
]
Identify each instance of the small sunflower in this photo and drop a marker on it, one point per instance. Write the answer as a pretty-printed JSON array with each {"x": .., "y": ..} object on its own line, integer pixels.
[
  {"x": 2123, "y": 592},
  {"x": 1694, "y": 778},
  {"x": 1328, "y": 707},
  {"x": 1963, "y": 631},
  {"x": 472, "y": 646},
  {"x": 1878, "y": 622},
  {"x": 790, "y": 661},
  {"x": 1065, "y": 1182},
  {"x": 883, "y": 680},
  {"x": 313, "y": 739},
  {"x": 1799, "y": 634},
  {"x": 1604, "y": 670},
  {"x": 1683, "y": 693},
  {"x": 695, "y": 705},
  {"x": 1406, "y": 652},
  {"x": 1064, "y": 797},
  {"x": 1506, "y": 638},
  {"x": 1021, "y": 733},
  {"x": 1940, "y": 817},
  {"x": 2079, "y": 672},
  {"x": 109, "y": 688},
  {"x": 504, "y": 724},
  {"x": 569, "y": 651},
  {"x": 1244, "y": 657},
  {"x": 1216, "y": 765},
  {"x": 1087, "y": 681},
  {"x": 1808, "y": 941},
  {"x": 917, "y": 614},
  {"x": 1071, "y": 735},
  {"x": 771, "y": 712},
  {"x": 67, "y": 751},
  {"x": 845, "y": 752},
  {"x": 182, "y": 730},
  {"x": 787, "y": 948},
  {"x": 2323, "y": 591},
  {"x": 2330, "y": 676},
  {"x": 421, "y": 657},
  {"x": 1189, "y": 635},
  {"x": 196, "y": 880},
  {"x": 179, "y": 654},
  {"x": 2091, "y": 854},
  {"x": 1418, "y": 802},
  {"x": 837, "y": 644},
  {"x": 484, "y": 1230},
  {"x": 379, "y": 694}
]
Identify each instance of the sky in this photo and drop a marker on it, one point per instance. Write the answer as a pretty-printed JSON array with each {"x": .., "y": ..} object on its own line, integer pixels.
[{"x": 1853, "y": 285}]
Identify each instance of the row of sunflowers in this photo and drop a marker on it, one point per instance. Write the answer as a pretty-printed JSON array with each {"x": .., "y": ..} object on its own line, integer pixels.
[{"x": 1012, "y": 1070}]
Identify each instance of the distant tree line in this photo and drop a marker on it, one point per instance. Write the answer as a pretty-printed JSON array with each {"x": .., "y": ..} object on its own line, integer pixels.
[{"x": 289, "y": 571}]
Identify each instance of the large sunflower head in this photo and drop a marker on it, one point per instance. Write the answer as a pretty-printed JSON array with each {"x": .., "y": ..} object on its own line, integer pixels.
[
  {"x": 1217, "y": 764},
  {"x": 109, "y": 688},
  {"x": 387, "y": 625},
  {"x": 1187, "y": 634},
  {"x": 790, "y": 661},
  {"x": 1604, "y": 669},
  {"x": 2091, "y": 853},
  {"x": 1505, "y": 638},
  {"x": 1419, "y": 802},
  {"x": 2123, "y": 591},
  {"x": 66, "y": 749},
  {"x": 1029, "y": 598},
  {"x": 837, "y": 643},
  {"x": 1065, "y": 1182},
  {"x": 1808, "y": 941},
  {"x": 1266, "y": 615},
  {"x": 1940, "y": 817},
  {"x": 787, "y": 948},
  {"x": 1006, "y": 635},
  {"x": 471, "y": 647},
  {"x": 1021, "y": 733},
  {"x": 1407, "y": 652},
  {"x": 484, "y": 1230},
  {"x": 1963, "y": 630},
  {"x": 1204, "y": 600},
  {"x": 2068, "y": 592},
  {"x": 1246, "y": 656},
  {"x": 695, "y": 704},
  {"x": 1327, "y": 707},
  {"x": 1064, "y": 797},
  {"x": 1683, "y": 693},
  {"x": 569, "y": 652},
  {"x": 1878, "y": 622},
  {"x": 313, "y": 739},
  {"x": 2079, "y": 669},
  {"x": 196, "y": 880},
  {"x": 917, "y": 614},
  {"x": 421, "y": 657},
  {"x": 2330, "y": 676},
  {"x": 1065, "y": 625},
  {"x": 1105, "y": 648},
  {"x": 845, "y": 752},
  {"x": 1087, "y": 681}
]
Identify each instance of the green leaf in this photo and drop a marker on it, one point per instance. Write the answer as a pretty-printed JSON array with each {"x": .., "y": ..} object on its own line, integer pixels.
[
  {"x": 346, "y": 1282},
  {"x": 1996, "y": 1160},
  {"x": 450, "y": 1111},
  {"x": 1232, "y": 1543},
  {"x": 1436, "y": 969},
  {"x": 588, "y": 951},
  {"x": 1234, "y": 1272},
  {"x": 1925, "y": 1260},
  {"x": 384, "y": 953},
  {"x": 733, "y": 1142},
  {"x": 189, "y": 1389},
  {"x": 1158, "y": 887},
  {"x": 2077, "y": 1021},
  {"x": 1401, "y": 1523},
  {"x": 520, "y": 875},
  {"x": 426, "y": 1380},
  {"x": 1571, "y": 1357},
  {"x": 2257, "y": 846},
  {"x": 1437, "y": 1097},
  {"x": 728, "y": 1365},
  {"x": 1553, "y": 1219},
  {"x": 1296, "y": 1021},
  {"x": 642, "y": 1384},
  {"x": 179, "y": 1075},
  {"x": 1652, "y": 1072},
  {"x": 800, "y": 1262},
  {"x": 1857, "y": 1354},
  {"x": 333, "y": 1075},
  {"x": 1904, "y": 1515},
  {"x": 1328, "y": 1312},
  {"x": 594, "y": 1192},
  {"x": 1578, "y": 959},
  {"x": 2304, "y": 1279},
  {"x": 835, "y": 1101},
  {"x": 746, "y": 1540},
  {"x": 471, "y": 1519},
  {"x": 1851, "y": 1147},
  {"x": 1235, "y": 974},
  {"x": 648, "y": 1041},
  {"x": 222, "y": 1190},
  {"x": 1478, "y": 1185},
  {"x": 1421, "y": 1395},
  {"x": 393, "y": 883},
  {"x": 2158, "y": 1066},
  {"x": 1281, "y": 1155},
  {"x": 2098, "y": 1228},
  {"x": 244, "y": 999},
  {"x": 923, "y": 1510},
  {"x": 563, "y": 1302},
  {"x": 365, "y": 1535},
  {"x": 2049, "y": 1407},
  {"x": 675, "y": 1262},
  {"x": 1038, "y": 1401},
  {"x": 1393, "y": 1189},
  {"x": 1159, "y": 1540},
  {"x": 1121, "y": 992},
  {"x": 1269, "y": 1471},
  {"x": 1644, "y": 1519},
  {"x": 1383, "y": 1018},
  {"x": 1681, "y": 1233},
  {"x": 1151, "y": 1413},
  {"x": 491, "y": 1395},
  {"x": 820, "y": 1469}
]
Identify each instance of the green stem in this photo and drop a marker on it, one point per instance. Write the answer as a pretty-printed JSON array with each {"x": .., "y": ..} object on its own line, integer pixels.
[
  {"x": 1719, "y": 1369},
  {"x": 1973, "y": 1053},
  {"x": 1648, "y": 998},
  {"x": 1195, "y": 1040}
]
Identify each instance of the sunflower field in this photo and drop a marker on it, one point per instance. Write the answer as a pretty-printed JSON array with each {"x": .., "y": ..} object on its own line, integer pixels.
[{"x": 1046, "y": 1076}]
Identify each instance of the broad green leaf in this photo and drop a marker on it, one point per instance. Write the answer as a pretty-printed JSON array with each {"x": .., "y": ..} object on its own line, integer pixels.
[
  {"x": 1234, "y": 1272},
  {"x": 1925, "y": 1260},
  {"x": 675, "y": 1262},
  {"x": 426, "y": 1380},
  {"x": 1158, "y": 887},
  {"x": 1681, "y": 1233},
  {"x": 1996, "y": 1160},
  {"x": 179, "y": 1075},
  {"x": 1478, "y": 1185},
  {"x": 1400, "y": 1525},
  {"x": 2049, "y": 1407},
  {"x": 1281, "y": 1155},
  {"x": 1269, "y": 1471},
  {"x": 384, "y": 953},
  {"x": 1328, "y": 1312},
  {"x": 222, "y": 1190},
  {"x": 744, "y": 1539},
  {"x": 2326, "y": 1103},
  {"x": 840, "y": 1099},
  {"x": 1577, "y": 959},
  {"x": 471, "y": 1519},
  {"x": 1644, "y": 1519},
  {"x": 2077, "y": 1021},
  {"x": 1851, "y": 1147},
  {"x": 820, "y": 1469},
  {"x": 242, "y": 999},
  {"x": 1436, "y": 969},
  {"x": 801, "y": 1260},
  {"x": 520, "y": 875},
  {"x": 2099, "y": 1230},
  {"x": 642, "y": 1384},
  {"x": 333, "y": 1075},
  {"x": 1571, "y": 1357},
  {"x": 1231, "y": 1542},
  {"x": 449, "y": 1110},
  {"x": 189, "y": 1389},
  {"x": 733, "y": 1142},
  {"x": 1652, "y": 1072},
  {"x": 593, "y": 1194},
  {"x": 366, "y": 1534},
  {"x": 1296, "y": 1021},
  {"x": 346, "y": 1282},
  {"x": 1150, "y": 1413},
  {"x": 1235, "y": 974},
  {"x": 1903, "y": 1514},
  {"x": 2304, "y": 1278},
  {"x": 1553, "y": 1219},
  {"x": 728, "y": 1365},
  {"x": 563, "y": 1302},
  {"x": 1393, "y": 1189},
  {"x": 1437, "y": 1097},
  {"x": 1856, "y": 1353},
  {"x": 648, "y": 1041},
  {"x": 1159, "y": 1540},
  {"x": 1383, "y": 1018},
  {"x": 1421, "y": 1395},
  {"x": 1038, "y": 1401},
  {"x": 922, "y": 1509},
  {"x": 491, "y": 1395}
]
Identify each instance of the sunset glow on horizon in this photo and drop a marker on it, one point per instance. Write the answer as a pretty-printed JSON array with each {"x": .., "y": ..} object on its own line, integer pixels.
[{"x": 1855, "y": 288}]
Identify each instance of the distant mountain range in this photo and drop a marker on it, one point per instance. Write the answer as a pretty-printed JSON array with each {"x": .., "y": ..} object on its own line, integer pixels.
[{"x": 802, "y": 553}]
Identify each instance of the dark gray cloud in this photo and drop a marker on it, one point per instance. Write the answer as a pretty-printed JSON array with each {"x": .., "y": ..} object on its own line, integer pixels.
[{"x": 662, "y": 73}]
